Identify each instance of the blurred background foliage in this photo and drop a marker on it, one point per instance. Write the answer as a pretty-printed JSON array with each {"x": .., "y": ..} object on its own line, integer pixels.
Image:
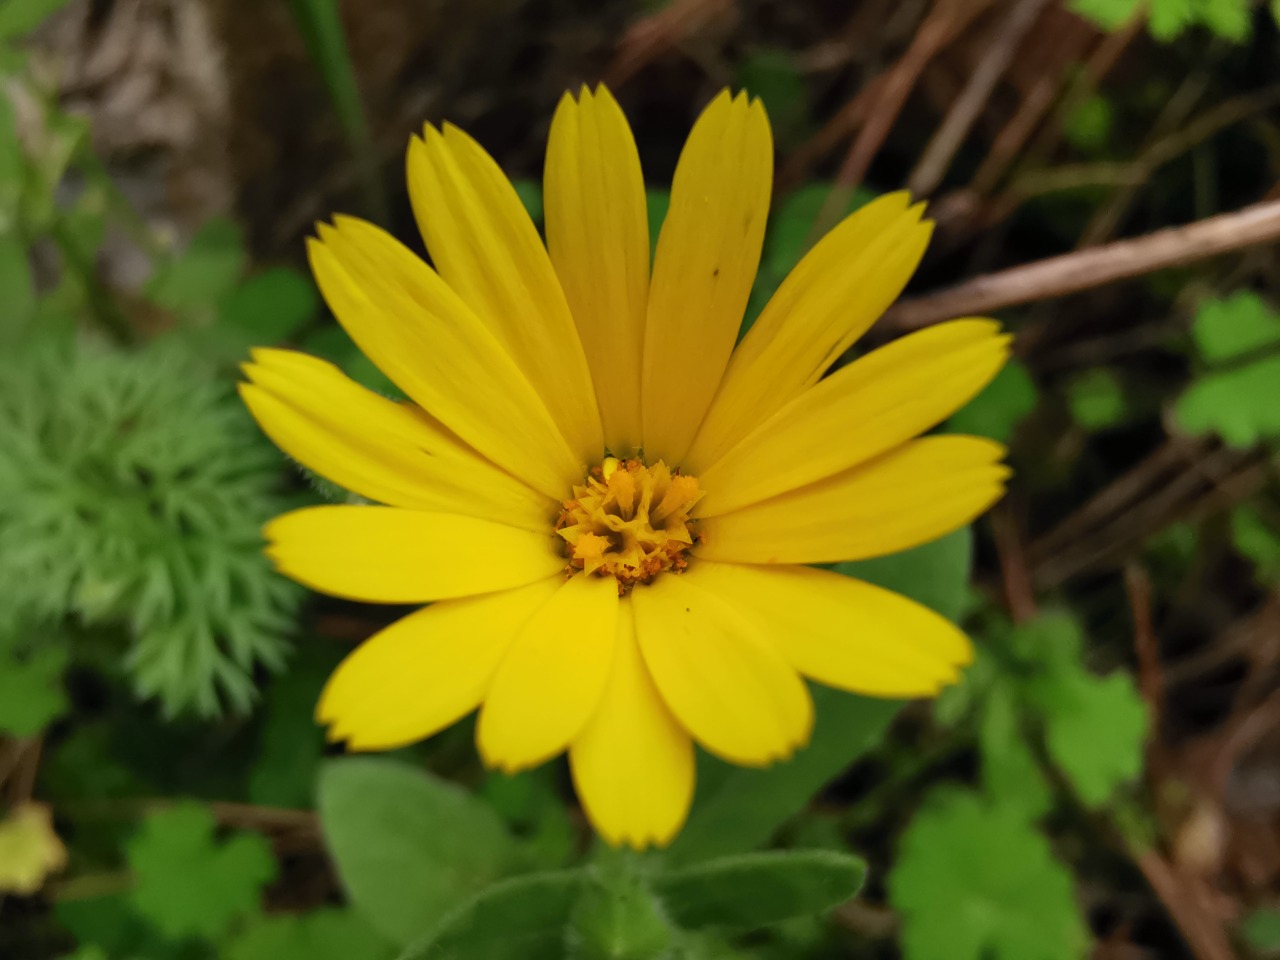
[{"x": 1103, "y": 783}]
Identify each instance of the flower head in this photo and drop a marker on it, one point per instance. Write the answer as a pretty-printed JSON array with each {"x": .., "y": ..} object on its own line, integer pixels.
[{"x": 608, "y": 505}]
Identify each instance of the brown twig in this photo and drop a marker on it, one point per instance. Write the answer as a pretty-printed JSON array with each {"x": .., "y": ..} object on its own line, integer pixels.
[
  {"x": 1020, "y": 596},
  {"x": 944, "y": 22},
  {"x": 1201, "y": 929},
  {"x": 1095, "y": 267},
  {"x": 1007, "y": 148},
  {"x": 649, "y": 38},
  {"x": 1137, "y": 585},
  {"x": 949, "y": 137}
]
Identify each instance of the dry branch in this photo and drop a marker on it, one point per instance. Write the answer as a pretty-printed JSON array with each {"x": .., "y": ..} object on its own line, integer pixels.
[{"x": 1094, "y": 267}]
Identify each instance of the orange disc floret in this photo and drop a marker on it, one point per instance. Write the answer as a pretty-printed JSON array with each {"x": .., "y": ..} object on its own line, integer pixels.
[{"x": 630, "y": 521}]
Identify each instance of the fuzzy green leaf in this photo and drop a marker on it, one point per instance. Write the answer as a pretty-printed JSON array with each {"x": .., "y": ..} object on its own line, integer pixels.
[
  {"x": 325, "y": 934},
  {"x": 974, "y": 881},
  {"x": 757, "y": 889},
  {"x": 408, "y": 846},
  {"x": 189, "y": 885},
  {"x": 524, "y": 917},
  {"x": 618, "y": 918},
  {"x": 133, "y": 488},
  {"x": 1000, "y": 407}
]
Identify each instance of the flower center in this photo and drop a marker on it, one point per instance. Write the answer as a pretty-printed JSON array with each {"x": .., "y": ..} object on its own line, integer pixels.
[{"x": 630, "y": 521}]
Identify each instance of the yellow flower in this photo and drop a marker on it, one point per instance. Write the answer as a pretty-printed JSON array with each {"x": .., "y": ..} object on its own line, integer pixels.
[{"x": 608, "y": 505}]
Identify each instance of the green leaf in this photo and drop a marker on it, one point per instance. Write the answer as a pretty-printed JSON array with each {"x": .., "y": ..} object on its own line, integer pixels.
[
  {"x": 202, "y": 275},
  {"x": 31, "y": 694},
  {"x": 1094, "y": 726},
  {"x": 408, "y": 846},
  {"x": 325, "y": 934},
  {"x": 738, "y": 809},
  {"x": 18, "y": 305},
  {"x": 530, "y": 194},
  {"x": 618, "y": 918},
  {"x": 1096, "y": 399},
  {"x": 974, "y": 881},
  {"x": 1238, "y": 404},
  {"x": 772, "y": 76},
  {"x": 1010, "y": 775},
  {"x": 291, "y": 745},
  {"x": 1238, "y": 339},
  {"x": 1257, "y": 540},
  {"x": 524, "y": 917},
  {"x": 531, "y": 804},
  {"x": 1230, "y": 19},
  {"x": 935, "y": 574},
  {"x": 19, "y": 17},
  {"x": 1168, "y": 18},
  {"x": 271, "y": 306},
  {"x": 110, "y": 923},
  {"x": 1232, "y": 328},
  {"x": 188, "y": 885},
  {"x": 756, "y": 889},
  {"x": 1110, "y": 15},
  {"x": 1262, "y": 929},
  {"x": 657, "y": 201},
  {"x": 1000, "y": 407},
  {"x": 1088, "y": 126},
  {"x": 1094, "y": 730}
]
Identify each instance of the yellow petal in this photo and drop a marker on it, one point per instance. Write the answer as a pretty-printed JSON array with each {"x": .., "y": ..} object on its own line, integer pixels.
[
  {"x": 598, "y": 236},
  {"x": 551, "y": 679},
  {"x": 703, "y": 269},
  {"x": 408, "y": 322},
  {"x": 427, "y": 670},
  {"x": 724, "y": 680},
  {"x": 487, "y": 249},
  {"x": 873, "y": 405},
  {"x": 837, "y": 291},
  {"x": 633, "y": 763},
  {"x": 904, "y": 498},
  {"x": 844, "y": 632},
  {"x": 388, "y": 555},
  {"x": 385, "y": 451}
]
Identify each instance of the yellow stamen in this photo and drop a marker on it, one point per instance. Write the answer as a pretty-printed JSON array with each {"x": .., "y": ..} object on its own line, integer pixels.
[{"x": 630, "y": 521}]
